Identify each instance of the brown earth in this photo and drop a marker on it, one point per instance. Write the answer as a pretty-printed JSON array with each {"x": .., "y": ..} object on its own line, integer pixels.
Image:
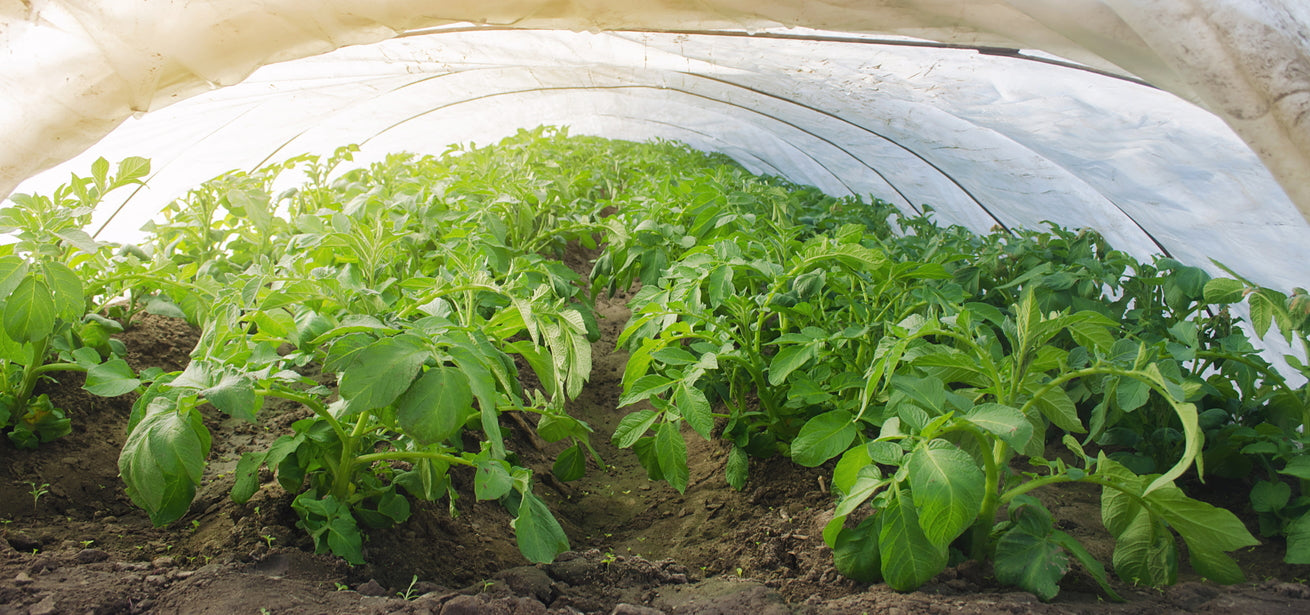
[{"x": 639, "y": 547}]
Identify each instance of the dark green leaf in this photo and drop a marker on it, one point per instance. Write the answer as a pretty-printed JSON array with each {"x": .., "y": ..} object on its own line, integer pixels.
[
  {"x": 855, "y": 552},
  {"x": 1299, "y": 467},
  {"x": 492, "y": 479},
  {"x": 382, "y": 371},
  {"x": 1027, "y": 557},
  {"x": 1090, "y": 564},
  {"x": 823, "y": 437},
  {"x": 737, "y": 469},
  {"x": 1268, "y": 496},
  {"x": 436, "y": 406},
  {"x": 162, "y": 461},
  {"x": 695, "y": 409},
  {"x": 540, "y": 537},
  {"x": 672, "y": 452},
  {"x": 571, "y": 464},
  {"x": 234, "y": 395},
  {"x": 553, "y": 428},
  {"x": 1298, "y": 540}
]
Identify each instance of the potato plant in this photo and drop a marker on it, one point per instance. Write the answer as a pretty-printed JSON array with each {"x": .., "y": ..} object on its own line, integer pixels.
[
  {"x": 49, "y": 279},
  {"x": 944, "y": 377}
]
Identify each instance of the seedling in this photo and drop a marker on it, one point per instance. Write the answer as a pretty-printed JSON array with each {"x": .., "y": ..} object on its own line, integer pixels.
[
  {"x": 37, "y": 492},
  {"x": 409, "y": 593}
]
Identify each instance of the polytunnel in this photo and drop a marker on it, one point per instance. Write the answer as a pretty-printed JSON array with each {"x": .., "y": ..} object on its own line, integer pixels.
[
  {"x": 1172, "y": 128},
  {"x": 621, "y": 375}
]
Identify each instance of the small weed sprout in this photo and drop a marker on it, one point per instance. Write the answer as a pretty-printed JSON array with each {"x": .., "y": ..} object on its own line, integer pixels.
[
  {"x": 37, "y": 492},
  {"x": 409, "y": 593}
]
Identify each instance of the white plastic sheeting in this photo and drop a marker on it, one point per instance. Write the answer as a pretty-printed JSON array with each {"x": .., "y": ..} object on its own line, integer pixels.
[{"x": 985, "y": 139}]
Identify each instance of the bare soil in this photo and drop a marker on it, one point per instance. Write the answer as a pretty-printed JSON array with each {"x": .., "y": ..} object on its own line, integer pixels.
[{"x": 639, "y": 546}]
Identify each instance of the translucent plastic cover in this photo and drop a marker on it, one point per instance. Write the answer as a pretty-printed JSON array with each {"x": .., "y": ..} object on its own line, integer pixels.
[{"x": 953, "y": 117}]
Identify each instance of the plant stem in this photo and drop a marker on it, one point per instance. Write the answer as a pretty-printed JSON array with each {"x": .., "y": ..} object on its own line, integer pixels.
[
  {"x": 386, "y": 455},
  {"x": 991, "y": 498},
  {"x": 33, "y": 371}
]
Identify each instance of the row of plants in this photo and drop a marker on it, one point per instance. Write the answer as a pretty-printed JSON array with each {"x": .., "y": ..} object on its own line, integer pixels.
[{"x": 943, "y": 376}]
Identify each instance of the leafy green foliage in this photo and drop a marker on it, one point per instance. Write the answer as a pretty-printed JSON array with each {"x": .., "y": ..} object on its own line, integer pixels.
[
  {"x": 925, "y": 366},
  {"x": 49, "y": 279}
]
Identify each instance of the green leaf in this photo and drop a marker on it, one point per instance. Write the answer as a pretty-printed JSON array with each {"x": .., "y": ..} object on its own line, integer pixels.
[
  {"x": 1005, "y": 422},
  {"x": 867, "y": 482},
  {"x": 1299, "y": 467},
  {"x": 1056, "y": 406},
  {"x": 1224, "y": 290},
  {"x": 737, "y": 469},
  {"x": 483, "y": 384},
  {"x": 823, "y": 437},
  {"x": 672, "y": 452},
  {"x": 789, "y": 359},
  {"x": 1091, "y": 335},
  {"x": 1262, "y": 312},
  {"x": 329, "y": 522},
  {"x": 492, "y": 479},
  {"x": 571, "y": 464},
  {"x": 111, "y": 379},
  {"x": 29, "y": 311},
  {"x": 380, "y": 372},
  {"x": 234, "y": 395},
  {"x": 162, "y": 461},
  {"x": 1269, "y": 496},
  {"x": 131, "y": 169},
  {"x": 1089, "y": 563},
  {"x": 1026, "y": 554},
  {"x": 849, "y": 466},
  {"x": 1144, "y": 552},
  {"x": 100, "y": 172},
  {"x": 911, "y": 558},
  {"x": 633, "y": 426},
  {"x": 539, "y": 535},
  {"x": 1298, "y": 540},
  {"x": 1214, "y": 565},
  {"x": 673, "y": 356},
  {"x": 436, "y": 406},
  {"x": 1131, "y": 393},
  {"x": 645, "y": 388},
  {"x": 694, "y": 408},
  {"x": 66, "y": 290},
  {"x": 246, "y": 476},
  {"x": 553, "y": 428},
  {"x": 1200, "y": 524},
  {"x": 12, "y": 271},
  {"x": 855, "y": 552},
  {"x": 947, "y": 485}
]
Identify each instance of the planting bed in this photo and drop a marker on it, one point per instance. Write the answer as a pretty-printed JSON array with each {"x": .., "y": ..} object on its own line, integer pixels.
[
  {"x": 637, "y": 542},
  {"x": 572, "y": 376}
]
